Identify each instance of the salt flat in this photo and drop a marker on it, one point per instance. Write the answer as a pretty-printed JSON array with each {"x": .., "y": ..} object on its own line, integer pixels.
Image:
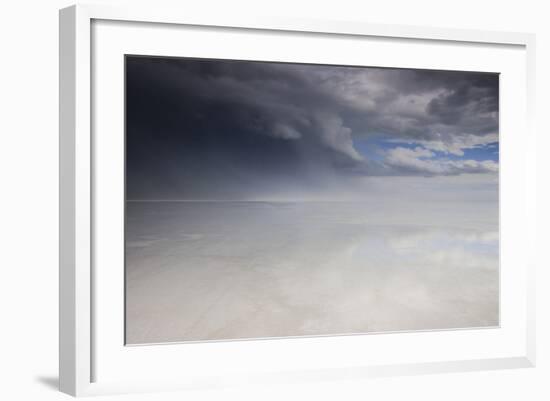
[{"x": 231, "y": 270}]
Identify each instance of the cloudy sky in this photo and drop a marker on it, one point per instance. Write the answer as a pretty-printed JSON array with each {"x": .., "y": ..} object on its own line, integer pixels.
[{"x": 211, "y": 129}]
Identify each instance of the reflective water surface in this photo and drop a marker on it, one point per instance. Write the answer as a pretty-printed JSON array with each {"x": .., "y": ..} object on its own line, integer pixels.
[{"x": 229, "y": 270}]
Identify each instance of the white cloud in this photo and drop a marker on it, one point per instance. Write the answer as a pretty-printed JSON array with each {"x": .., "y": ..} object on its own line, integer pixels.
[
  {"x": 422, "y": 160},
  {"x": 453, "y": 144},
  {"x": 335, "y": 135}
]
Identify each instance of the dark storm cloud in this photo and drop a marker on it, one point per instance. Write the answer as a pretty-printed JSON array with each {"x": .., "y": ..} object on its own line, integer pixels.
[{"x": 226, "y": 129}]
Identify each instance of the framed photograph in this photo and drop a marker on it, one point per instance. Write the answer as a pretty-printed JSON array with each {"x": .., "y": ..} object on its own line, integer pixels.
[{"x": 270, "y": 201}]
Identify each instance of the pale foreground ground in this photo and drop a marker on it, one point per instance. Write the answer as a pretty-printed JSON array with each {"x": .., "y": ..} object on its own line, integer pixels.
[{"x": 229, "y": 270}]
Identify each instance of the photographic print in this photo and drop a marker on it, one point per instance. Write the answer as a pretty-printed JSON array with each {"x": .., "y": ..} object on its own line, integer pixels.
[{"x": 269, "y": 199}]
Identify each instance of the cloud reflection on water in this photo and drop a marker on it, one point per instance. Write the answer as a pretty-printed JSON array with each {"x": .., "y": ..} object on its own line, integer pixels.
[{"x": 226, "y": 270}]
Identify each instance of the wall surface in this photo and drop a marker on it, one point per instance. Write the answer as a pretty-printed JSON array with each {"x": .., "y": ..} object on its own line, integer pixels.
[{"x": 29, "y": 186}]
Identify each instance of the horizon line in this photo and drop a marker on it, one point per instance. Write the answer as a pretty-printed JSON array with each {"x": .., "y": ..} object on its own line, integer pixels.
[{"x": 237, "y": 200}]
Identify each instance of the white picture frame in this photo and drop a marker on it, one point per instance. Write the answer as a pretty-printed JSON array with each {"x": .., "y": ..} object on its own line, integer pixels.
[{"x": 82, "y": 344}]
